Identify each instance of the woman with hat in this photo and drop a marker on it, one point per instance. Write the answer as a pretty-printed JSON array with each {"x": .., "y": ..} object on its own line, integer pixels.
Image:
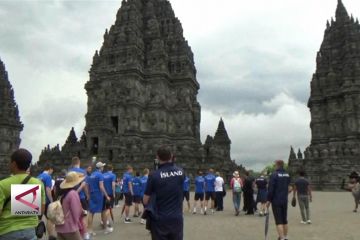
[
  {"x": 72, "y": 208},
  {"x": 236, "y": 185}
]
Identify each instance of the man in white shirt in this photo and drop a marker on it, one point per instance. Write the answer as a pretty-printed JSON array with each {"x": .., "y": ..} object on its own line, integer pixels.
[{"x": 219, "y": 189}]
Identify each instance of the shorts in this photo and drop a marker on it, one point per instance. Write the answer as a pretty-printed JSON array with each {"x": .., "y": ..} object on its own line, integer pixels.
[
  {"x": 128, "y": 199},
  {"x": 84, "y": 204},
  {"x": 137, "y": 199},
  {"x": 209, "y": 195},
  {"x": 199, "y": 196},
  {"x": 108, "y": 204},
  {"x": 28, "y": 233},
  {"x": 187, "y": 195},
  {"x": 163, "y": 231},
  {"x": 280, "y": 214}
]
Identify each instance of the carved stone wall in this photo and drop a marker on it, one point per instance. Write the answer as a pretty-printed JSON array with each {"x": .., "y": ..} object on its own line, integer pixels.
[{"x": 335, "y": 105}]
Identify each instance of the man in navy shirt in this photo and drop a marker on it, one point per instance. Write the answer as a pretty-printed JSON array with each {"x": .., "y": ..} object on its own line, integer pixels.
[
  {"x": 210, "y": 190},
  {"x": 279, "y": 189},
  {"x": 164, "y": 192},
  {"x": 199, "y": 191}
]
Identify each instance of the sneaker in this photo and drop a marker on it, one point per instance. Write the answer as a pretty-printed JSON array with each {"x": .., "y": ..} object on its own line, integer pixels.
[
  {"x": 127, "y": 220},
  {"x": 303, "y": 222},
  {"x": 92, "y": 233},
  {"x": 212, "y": 211},
  {"x": 86, "y": 236},
  {"x": 205, "y": 212},
  {"x": 309, "y": 222},
  {"x": 143, "y": 221},
  {"x": 108, "y": 230},
  {"x": 201, "y": 211},
  {"x": 194, "y": 212}
]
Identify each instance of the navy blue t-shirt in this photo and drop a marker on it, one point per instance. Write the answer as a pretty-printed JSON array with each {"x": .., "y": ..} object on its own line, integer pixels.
[
  {"x": 166, "y": 186},
  {"x": 302, "y": 186},
  {"x": 261, "y": 183},
  {"x": 279, "y": 187}
]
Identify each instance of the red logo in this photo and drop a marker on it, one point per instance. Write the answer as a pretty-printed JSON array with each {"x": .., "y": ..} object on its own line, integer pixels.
[{"x": 32, "y": 191}]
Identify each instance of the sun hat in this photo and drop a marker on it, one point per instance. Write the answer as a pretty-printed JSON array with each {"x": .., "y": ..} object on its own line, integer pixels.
[
  {"x": 72, "y": 179},
  {"x": 236, "y": 174},
  {"x": 100, "y": 164}
]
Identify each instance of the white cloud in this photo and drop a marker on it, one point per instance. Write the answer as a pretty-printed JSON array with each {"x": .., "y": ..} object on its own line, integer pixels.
[{"x": 259, "y": 139}]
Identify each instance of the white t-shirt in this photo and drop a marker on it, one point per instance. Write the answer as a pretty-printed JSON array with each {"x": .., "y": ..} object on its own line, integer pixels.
[{"x": 219, "y": 182}]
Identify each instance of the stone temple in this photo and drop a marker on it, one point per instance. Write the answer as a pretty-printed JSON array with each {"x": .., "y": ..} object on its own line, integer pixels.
[
  {"x": 10, "y": 124},
  {"x": 335, "y": 106},
  {"x": 142, "y": 93}
]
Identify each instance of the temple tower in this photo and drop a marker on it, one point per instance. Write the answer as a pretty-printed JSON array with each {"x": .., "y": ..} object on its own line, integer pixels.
[
  {"x": 10, "y": 124},
  {"x": 335, "y": 105},
  {"x": 142, "y": 93}
]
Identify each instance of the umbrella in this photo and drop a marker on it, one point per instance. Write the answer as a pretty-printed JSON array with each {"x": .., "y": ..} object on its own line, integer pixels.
[{"x": 267, "y": 217}]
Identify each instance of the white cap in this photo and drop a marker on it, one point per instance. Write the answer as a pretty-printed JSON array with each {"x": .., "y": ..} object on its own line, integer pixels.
[{"x": 100, "y": 164}]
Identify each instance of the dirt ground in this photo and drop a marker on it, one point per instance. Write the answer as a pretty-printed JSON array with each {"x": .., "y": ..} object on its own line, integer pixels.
[{"x": 332, "y": 218}]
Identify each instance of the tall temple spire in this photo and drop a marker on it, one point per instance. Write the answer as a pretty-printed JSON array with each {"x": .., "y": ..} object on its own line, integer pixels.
[
  {"x": 10, "y": 125},
  {"x": 341, "y": 13},
  {"x": 221, "y": 135}
]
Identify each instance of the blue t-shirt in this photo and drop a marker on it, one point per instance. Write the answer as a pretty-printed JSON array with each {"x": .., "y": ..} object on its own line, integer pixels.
[
  {"x": 199, "y": 184},
  {"x": 302, "y": 186},
  {"x": 186, "y": 184},
  {"x": 109, "y": 179},
  {"x": 126, "y": 180},
  {"x": 47, "y": 181},
  {"x": 82, "y": 171},
  {"x": 279, "y": 188},
  {"x": 94, "y": 182},
  {"x": 165, "y": 187},
  {"x": 144, "y": 180},
  {"x": 210, "y": 182},
  {"x": 137, "y": 186}
]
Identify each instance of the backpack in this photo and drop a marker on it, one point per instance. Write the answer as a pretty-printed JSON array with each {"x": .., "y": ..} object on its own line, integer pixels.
[
  {"x": 55, "y": 212},
  {"x": 237, "y": 186}
]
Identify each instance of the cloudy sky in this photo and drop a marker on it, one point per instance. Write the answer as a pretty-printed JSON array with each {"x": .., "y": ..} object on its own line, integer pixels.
[{"x": 254, "y": 60}]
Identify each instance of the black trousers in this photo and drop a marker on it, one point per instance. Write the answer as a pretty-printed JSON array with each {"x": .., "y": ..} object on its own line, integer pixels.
[
  {"x": 219, "y": 201},
  {"x": 249, "y": 201}
]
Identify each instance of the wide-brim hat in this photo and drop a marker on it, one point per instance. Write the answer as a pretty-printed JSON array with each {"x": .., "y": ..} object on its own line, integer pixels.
[
  {"x": 72, "y": 179},
  {"x": 236, "y": 174}
]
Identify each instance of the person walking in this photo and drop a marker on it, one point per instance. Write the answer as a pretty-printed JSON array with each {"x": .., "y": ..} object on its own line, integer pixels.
[
  {"x": 128, "y": 192},
  {"x": 83, "y": 191},
  {"x": 279, "y": 189},
  {"x": 109, "y": 184},
  {"x": 249, "y": 203},
  {"x": 15, "y": 227},
  {"x": 199, "y": 192},
  {"x": 46, "y": 179},
  {"x": 261, "y": 184},
  {"x": 97, "y": 194},
  {"x": 187, "y": 192},
  {"x": 210, "y": 190},
  {"x": 73, "y": 213},
  {"x": 354, "y": 187},
  {"x": 164, "y": 194},
  {"x": 144, "y": 180},
  {"x": 137, "y": 188},
  {"x": 236, "y": 185},
  {"x": 304, "y": 196},
  {"x": 219, "y": 191}
]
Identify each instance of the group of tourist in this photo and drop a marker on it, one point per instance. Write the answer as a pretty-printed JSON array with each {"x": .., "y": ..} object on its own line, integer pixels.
[{"x": 157, "y": 197}]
